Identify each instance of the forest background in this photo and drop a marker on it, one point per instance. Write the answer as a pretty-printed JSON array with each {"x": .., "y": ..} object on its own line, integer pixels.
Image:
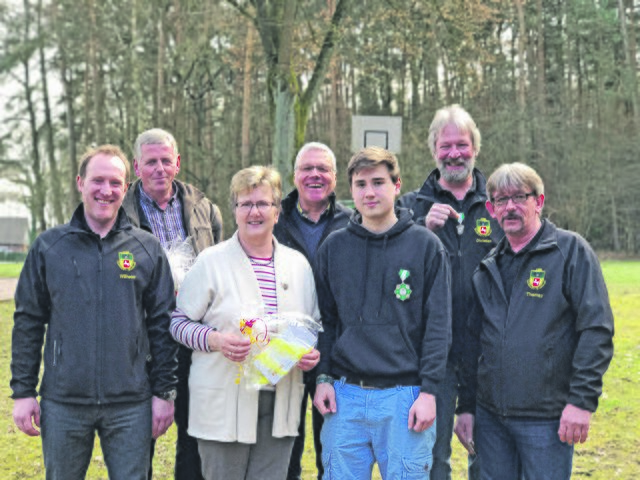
[{"x": 552, "y": 83}]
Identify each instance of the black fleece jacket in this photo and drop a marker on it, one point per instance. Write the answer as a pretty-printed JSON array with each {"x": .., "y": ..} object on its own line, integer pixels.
[
  {"x": 481, "y": 233},
  {"x": 369, "y": 333},
  {"x": 547, "y": 345},
  {"x": 105, "y": 305}
]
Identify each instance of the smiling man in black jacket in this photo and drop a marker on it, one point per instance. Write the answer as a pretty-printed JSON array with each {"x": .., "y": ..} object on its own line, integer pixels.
[
  {"x": 451, "y": 203},
  {"x": 102, "y": 292},
  {"x": 384, "y": 294},
  {"x": 309, "y": 214},
  {"x": 540, "y": 338}
]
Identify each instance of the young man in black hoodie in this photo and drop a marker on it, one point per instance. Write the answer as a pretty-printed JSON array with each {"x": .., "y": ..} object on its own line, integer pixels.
[{"x": 384, "y": 290}]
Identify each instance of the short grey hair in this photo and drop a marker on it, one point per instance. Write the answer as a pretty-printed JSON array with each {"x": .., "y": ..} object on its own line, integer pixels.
[
  {"x": 154, "y": 136},
  {"x": 316, "y": 146},
  {"x": 514, "y": 176}
]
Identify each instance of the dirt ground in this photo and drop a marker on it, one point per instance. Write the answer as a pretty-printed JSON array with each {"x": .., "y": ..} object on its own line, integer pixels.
[{"x": 7, "y": 288}]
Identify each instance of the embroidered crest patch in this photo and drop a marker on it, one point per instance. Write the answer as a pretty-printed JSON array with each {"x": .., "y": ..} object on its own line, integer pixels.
[
  {"x": 483, "y": 227},
  {"x": 536, "y": 279},
  {"x": 126, "y": 261}
]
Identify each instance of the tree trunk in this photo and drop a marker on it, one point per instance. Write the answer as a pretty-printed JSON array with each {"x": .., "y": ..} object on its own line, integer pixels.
[
  {"x": 521, "y": 82},
  {"x": 56, "y": 187},
  {"x": 291, "y": 108},
  {"x": 284, "y": 98},
  {"x": 160, "y": 70},
  {"x": 246, "y": 97},
  {"x": 333, "y": 100},
  {"x": 66, "y": 77},
  {"x": 630, "y": 62},
  {"x": 38, "y": 186},
  {"x": 96, "y": 78}
]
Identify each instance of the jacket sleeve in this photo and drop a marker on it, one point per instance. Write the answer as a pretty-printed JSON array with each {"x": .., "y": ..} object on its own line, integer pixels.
[
  {"x": 216, "y": 224},
  {"x": 407, "y": 200},
  {"x": 594, "y": 325},
  {"x": 469, "y": 372},
  {"x": 328, "y": 310},
  {"x": 417, "y": 206},
  {"x": 159, "y": 302},
  {"x": 30, "y": 317},
  {"x": 437, "y": 312}
]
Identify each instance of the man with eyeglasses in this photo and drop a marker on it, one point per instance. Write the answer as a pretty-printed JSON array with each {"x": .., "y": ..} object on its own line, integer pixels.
[
  {"x": 540, "y": 338},
  {"x": 309, "y": 214},
  {"x": 451, "y": 203},
  {"x": 173, "y": 211}
]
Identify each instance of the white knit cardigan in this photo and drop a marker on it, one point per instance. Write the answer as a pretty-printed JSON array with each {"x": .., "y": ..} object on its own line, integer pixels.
[{"x": 218, "y": 291}]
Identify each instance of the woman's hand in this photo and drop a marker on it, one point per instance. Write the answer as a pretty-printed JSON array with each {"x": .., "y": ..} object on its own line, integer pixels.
[
  {"x": 233, "y": 347},
  {"x": 309, "y": 360}
]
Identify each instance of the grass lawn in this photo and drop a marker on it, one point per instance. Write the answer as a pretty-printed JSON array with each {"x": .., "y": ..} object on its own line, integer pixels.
[
  {"x": 611, "y": 451},
  {"x": 10, "y": 270}
]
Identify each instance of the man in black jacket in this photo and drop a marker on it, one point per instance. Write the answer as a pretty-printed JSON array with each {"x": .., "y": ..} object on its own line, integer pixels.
[
  {"x": 540, "y": 338},
  {"x": 309, "y": 214},
  {"x": 173, "y": 211},
  {"x": 384, "y": 294},
  {"x": 102, "y": 291},
  {"x": 451, "y": 203}
]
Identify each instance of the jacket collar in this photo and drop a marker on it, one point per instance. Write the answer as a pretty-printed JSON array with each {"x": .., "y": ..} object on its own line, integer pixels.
[
  {"x": 291, "y": 201},
  {"x": 548, "y": 239},
  {"x": 187, "y": 194},
  {"x": 431, "y": 188},
  {"x": 79, "y": 222}
]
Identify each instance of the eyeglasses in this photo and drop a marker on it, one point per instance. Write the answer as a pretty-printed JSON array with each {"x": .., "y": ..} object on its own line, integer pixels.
[
  {"x": 310, "y": 168},
  {"x": 246, "y": 207},
  {"x": 517, "y": 199}
]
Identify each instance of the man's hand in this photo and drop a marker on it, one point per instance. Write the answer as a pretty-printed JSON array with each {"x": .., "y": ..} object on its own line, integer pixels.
[
  {"x": 26, "y": 413},
  {"x": 232, "y": 346},
  {"x": 438, "y": 216},
  {"x": 464, "y": 431},
  {"x": 574, "y": 425},
  {"x": 309, "y": 360},
  {"x": 162, "y": 416},
  {"x": 422, "y": 413},
  {"x": 325, "y": 398}
]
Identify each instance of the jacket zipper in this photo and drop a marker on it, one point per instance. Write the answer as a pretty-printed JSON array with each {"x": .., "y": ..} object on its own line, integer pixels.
[{"x": 100, "y": 355}]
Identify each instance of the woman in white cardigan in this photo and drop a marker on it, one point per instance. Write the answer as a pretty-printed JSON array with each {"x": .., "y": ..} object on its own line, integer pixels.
[{"x": 243, "y": 433}]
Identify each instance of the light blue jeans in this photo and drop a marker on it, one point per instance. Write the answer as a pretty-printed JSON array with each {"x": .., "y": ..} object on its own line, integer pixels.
[
  {"x": 369, "y": 426},
  {"x": 68, "y": 433},
  {"x": 513, "y": 448}
]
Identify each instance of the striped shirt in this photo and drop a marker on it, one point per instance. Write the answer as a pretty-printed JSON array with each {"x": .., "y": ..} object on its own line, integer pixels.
[
  {"x": 194, "y": 334},
  {"x": 265, "y": 272},
  {"x": 166, "y": 225},
  {"x": 191, "y": 334}
]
